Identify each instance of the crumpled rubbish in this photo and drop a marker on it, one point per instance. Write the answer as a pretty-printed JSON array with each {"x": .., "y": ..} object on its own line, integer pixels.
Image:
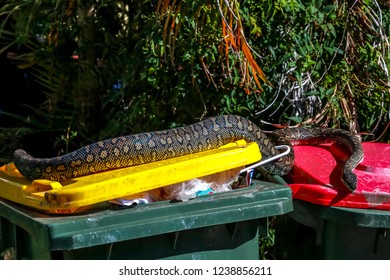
[
  {"x": 218, "y": 182},
  {"x": 130, "y": 201}
]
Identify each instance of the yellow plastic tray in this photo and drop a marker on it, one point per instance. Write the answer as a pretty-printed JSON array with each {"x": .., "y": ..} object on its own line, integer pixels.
[{"x": 73, "y": 195}]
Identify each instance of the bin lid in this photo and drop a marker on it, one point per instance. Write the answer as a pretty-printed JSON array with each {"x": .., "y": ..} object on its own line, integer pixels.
[
  {"x": 79, "y": 194},
  {"x": 316, "y": 176}
]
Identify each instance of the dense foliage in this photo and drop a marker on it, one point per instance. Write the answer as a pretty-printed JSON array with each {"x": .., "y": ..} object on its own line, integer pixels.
[{"x": 95, "y": 69}]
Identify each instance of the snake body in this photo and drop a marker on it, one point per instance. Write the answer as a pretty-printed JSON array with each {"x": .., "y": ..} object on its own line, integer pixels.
[{"x": 158, "y": 145}]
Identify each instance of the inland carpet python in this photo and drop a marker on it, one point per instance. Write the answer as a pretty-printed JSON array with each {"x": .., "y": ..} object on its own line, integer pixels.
[{"x": 205, "y": 135}]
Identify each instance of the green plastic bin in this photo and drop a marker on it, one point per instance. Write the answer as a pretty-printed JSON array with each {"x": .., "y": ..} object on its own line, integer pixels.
[
  {"x": 315, "y": 232},
  {"x": 218, "y": 226}
]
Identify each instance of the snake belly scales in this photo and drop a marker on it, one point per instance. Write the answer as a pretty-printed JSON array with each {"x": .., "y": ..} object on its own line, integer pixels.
[{"x": 205, "y": 135}]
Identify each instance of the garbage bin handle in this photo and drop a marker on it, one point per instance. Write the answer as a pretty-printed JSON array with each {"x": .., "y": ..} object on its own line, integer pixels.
[{"x": 261, "y": 162}]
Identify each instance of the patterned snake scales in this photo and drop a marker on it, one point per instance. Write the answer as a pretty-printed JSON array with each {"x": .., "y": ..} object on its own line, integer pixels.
[{"x": 208, "y": 134}]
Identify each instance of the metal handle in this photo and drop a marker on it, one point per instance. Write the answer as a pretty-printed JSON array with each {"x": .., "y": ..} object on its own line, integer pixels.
[{"x": 261, "y": 162}]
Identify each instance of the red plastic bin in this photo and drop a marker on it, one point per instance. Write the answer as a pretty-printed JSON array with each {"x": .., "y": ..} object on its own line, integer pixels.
[
  {"x": 316, "y": 176},
  {"x": 328, "y": 221}
]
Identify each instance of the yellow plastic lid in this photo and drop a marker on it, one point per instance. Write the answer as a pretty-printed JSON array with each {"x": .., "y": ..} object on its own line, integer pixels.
[{"x": 78, "y": 193}]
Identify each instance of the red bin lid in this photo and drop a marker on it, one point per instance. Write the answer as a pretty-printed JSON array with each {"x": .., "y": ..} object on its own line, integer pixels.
[{"x": 316, "y": 176}]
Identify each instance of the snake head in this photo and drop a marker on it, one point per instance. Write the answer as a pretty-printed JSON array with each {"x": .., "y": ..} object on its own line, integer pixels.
[{"x": 350, "y": 180}]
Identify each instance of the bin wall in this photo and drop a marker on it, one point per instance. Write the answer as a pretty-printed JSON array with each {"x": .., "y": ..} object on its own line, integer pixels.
[
  {"x": 230, "y": 241},
  {"x": 317, "y": 232}
]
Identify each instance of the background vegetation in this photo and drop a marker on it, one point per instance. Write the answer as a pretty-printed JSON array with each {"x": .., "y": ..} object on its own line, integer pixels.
[{"x": 78, "y": 71}]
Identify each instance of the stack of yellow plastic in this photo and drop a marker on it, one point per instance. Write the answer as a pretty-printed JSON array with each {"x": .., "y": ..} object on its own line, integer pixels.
[{"x": 79, "y": 194}]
